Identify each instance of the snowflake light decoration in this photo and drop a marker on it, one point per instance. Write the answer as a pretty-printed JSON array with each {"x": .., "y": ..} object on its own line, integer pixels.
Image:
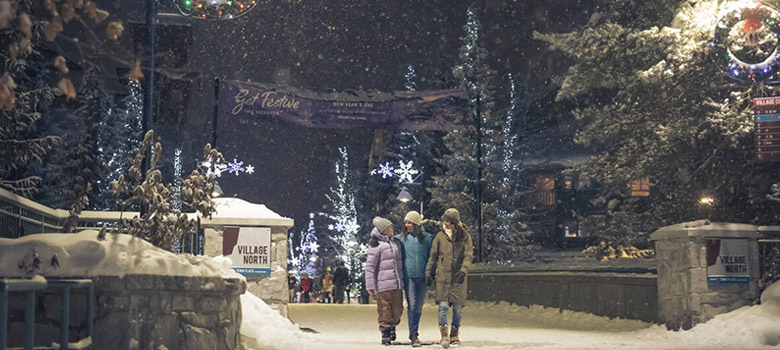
[
  {"x": 386, "y": 170},
  {"x": 339, "y": 226},
  {"x": 236, "y": 167},
  {"x": 405, "y": 172}
]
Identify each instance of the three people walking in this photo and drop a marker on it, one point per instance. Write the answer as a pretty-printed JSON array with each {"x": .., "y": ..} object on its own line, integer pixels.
[{"x": 412, "y": 261}]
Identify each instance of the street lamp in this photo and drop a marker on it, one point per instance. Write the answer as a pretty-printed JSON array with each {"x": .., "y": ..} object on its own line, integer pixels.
[
  {"x": 217, "y": 191},
  {"x": 404, "y": 196}
]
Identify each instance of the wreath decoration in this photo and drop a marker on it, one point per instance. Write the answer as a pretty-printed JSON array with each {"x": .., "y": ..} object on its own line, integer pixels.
[
  {"x": 746, "y": 43},
  {"x": 215, "y": 9}
]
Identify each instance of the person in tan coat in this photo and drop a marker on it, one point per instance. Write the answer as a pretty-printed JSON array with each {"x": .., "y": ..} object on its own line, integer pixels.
[{"x": 448, "y": 265}]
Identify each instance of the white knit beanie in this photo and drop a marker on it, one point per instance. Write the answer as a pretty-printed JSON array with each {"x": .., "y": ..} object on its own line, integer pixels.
[
  {"x": 381, "y": 223},
  {"x": 413, "y": 217}
]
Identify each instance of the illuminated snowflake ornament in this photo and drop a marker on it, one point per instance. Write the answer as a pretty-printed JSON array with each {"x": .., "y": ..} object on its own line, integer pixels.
[
  {"x": 386, "y": 170},
  {"x": 250, "y": 169},
  {"x": 236, "y": 167},
  {"x": 406, "y": 173}
]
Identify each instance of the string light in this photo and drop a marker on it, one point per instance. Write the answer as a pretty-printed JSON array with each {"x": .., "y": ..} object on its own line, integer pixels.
[
  {"x": 303, "y": 256},
  {"x": 757, "y": 19},
  {"x": 216, "y": 9},
  {"x": 345, "y": 231}
]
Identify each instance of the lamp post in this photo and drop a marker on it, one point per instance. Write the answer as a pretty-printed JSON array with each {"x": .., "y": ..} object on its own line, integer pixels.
[
  {"x": 217, "y": 191},
  {"x": 404, "y": 196}
]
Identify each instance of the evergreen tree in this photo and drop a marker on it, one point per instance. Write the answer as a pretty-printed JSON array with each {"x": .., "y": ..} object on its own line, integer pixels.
[
  {"x": 25, "y": 91},
  {"x": 75, "y": 168},
  {"x": 343, "y": 235},
  {"x": 303, "y": 256},
  {"x": 22, "y": 146},
  {"x": 653, "y": 105},
  {"x": 484, "y": 152},
  {"x": 118, "y": 141},
  {"x": 511, "y": 241}
]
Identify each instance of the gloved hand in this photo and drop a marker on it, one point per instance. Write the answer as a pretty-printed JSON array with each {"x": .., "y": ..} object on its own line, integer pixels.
[
  {"x": 373, "y": 242},
  {"x": 460, "y": 277},
  {"x": 428, "y": 281}
]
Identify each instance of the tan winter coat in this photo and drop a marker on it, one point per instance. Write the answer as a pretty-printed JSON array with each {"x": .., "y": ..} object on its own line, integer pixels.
[{"x": 446, "y": 259}]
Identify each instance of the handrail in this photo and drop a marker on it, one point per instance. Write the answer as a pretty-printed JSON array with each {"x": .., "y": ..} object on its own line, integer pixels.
[
  {"x": 29, "y": 286},
  {"x": 67, "y": 285}
]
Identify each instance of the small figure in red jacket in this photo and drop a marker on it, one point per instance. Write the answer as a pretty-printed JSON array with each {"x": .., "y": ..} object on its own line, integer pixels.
[{"x": 306, "y": 287}]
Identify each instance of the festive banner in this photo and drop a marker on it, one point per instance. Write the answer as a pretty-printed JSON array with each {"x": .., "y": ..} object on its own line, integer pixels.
[{"x": 253, "y": 103}]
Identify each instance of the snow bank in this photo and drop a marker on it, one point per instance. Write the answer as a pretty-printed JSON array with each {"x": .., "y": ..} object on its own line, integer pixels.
[
  {"x": 264, "y": 328},
  {"x": 82, "y": 255},
  {"x": 748, "y": 327},
  {"x": 239, "y": 208}
]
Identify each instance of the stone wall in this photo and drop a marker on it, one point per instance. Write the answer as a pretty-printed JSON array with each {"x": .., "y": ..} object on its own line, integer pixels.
[
  {"x": 685, "y": 296},
  {"x": 632, "y": 296},
  {"x": 272, "y": 289},
  {"x": 141, "y": 312}
]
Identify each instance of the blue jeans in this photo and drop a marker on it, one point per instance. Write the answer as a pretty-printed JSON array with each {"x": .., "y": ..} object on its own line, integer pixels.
[
  {"x": 415, "y": 295},
  {"x": 457, "y": 312}
]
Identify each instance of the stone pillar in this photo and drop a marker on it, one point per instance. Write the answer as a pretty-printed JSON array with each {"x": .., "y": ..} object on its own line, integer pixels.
[
  {"x": 685, "y": 298},
  {"x": 272, "y": 289}
]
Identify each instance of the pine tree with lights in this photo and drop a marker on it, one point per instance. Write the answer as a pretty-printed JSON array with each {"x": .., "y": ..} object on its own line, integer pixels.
[
  {"x": 511, "y": 240},
  {"x": 654, "y": 106},
  {"x": 487, "y": 146},
  {"x": 344, "y": 232},
  {"x": 304, "y": 255},
  {"x": 119, "y": 139}
]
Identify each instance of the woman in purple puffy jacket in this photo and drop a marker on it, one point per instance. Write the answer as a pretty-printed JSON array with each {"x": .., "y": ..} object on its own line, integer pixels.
[{"x": 384, "y": 277}]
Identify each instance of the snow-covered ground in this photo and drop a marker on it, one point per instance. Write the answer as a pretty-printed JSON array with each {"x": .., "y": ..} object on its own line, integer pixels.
[{"x": 505, "y": 326}]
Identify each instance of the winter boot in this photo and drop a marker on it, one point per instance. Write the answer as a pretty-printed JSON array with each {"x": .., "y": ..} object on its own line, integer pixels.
[
  {"x": 386, "y": 337},
  {"x": 416, "y": 343},
  {"x": 392, "y": 333},
  {"x": 454, "y": 336},
  {"x": 445, "y": 339}
]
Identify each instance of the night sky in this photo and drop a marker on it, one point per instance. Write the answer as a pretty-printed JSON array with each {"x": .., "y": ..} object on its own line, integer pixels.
[{"x": 336, "y": 46}]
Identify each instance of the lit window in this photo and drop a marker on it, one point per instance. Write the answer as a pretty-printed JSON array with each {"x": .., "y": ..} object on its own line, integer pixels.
[
  {"x": 583, "y": 182},
  {"x": 640, "y": 187},
  {"x": 545, "y": 190}
]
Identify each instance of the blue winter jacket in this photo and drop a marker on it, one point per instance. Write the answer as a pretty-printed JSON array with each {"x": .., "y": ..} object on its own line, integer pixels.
[{"x": 416, "y": 254}]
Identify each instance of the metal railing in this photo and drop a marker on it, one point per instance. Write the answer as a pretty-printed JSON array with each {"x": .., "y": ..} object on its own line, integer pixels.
[
  {"x": 30, "y": 287},
  {"x": 27, "y": 286},
  {"x": 769, "y": 261},
  {"x": 20, "y": 216}
]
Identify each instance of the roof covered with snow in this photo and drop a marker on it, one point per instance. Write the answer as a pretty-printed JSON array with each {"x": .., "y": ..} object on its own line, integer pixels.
[
  {"x": 711, "y": 229},
  {"x": 236, "y": 211}
]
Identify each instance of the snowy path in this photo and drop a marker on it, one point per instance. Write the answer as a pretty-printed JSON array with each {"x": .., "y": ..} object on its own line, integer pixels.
[{"x": 503, "y": 326}]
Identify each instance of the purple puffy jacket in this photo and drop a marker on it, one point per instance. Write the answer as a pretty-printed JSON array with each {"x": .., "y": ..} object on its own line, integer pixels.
[{"x": 384, "y": 264}]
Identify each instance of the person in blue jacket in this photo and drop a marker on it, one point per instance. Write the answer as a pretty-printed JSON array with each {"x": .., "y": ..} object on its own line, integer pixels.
[{"x": 417, "y": 246}]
